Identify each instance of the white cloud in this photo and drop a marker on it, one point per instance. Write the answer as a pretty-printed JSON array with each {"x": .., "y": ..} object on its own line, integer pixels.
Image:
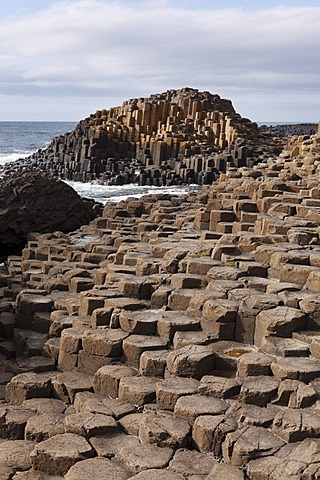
[{"x": 95, "y": 48}]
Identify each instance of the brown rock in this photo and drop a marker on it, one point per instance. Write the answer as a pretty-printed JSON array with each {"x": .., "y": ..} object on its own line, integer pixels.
[
  {"x": 106, "y": 380},
  {"x": 191, "y": 361},
  {"x": 190, "y": 407},
  {"x": 143, "y": 457},
  {"x": 96, "y": 468},
  {"x": 170, "y": 389},
  {"x": 58, "y": 454},
  {"x": 164, "y": 430}
]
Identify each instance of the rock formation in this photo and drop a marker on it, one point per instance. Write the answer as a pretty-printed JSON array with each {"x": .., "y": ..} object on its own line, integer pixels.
[
  {"x": 180, "y": 136},
  {"x": 172, "y": 337},
  {"x": 35, "y": 202}
]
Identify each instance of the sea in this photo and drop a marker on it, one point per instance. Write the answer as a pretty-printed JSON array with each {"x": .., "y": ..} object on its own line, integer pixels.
[{"x": 21, "y": 139}]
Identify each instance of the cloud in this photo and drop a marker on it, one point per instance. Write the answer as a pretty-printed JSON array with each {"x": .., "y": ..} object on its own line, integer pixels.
[{"x": 118, "y": 50}]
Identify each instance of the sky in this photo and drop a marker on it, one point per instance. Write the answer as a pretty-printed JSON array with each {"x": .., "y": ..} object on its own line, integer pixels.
[{"x": 63, "y": 60}]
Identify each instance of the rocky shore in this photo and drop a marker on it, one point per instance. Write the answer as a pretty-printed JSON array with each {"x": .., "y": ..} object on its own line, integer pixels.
[
  {"x": 178, "y": 137},
  {"x": 289, "y": 130},
  {"x": 171, "y": 338}
]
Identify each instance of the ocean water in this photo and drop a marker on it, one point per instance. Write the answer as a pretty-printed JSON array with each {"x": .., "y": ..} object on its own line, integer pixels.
[{"x": 21, "y": 139}]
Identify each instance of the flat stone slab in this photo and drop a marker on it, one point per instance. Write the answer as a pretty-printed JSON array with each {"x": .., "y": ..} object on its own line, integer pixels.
[
  {"x": 109, "y": 445},
  {"x": 155, "y": 474},
  {"x": 45, "y": 405},
  {"x": 219, "y": 387},
  {"x": 106, "y": 379},
  {"x": 164, "y": 430},
  {"x": 170, "y": 389},
  {"x": 41, "y": 427},
  {"x": 134, "y": 345},
  {"x": 138, "y": 390},
  {"x": 247, "y": 414},
  {"x": 96, "y": 468},
  {"x": 303, "y": 369},
  {"x": 258, "y": 390},
  {"x": 294, "y": 425},
  {"x": 59, "y": 453},
  {"x": 89, "y": 424},
  {"x": 67, "y": 384},
  {"x": 143, "y": 457},
  {"x": 223, "y": 470},
  {"x": 143, "y": 322},
  {"x": 28, "y": 385},
  {"x": 106, "y": 343},
  {"x": 209, "y": 432},
  {"x": 191, "y": 361},
  {"x": 248, "y": 443},
  {"x": 16, "y": 454},
  {"x": 190, "y": 407},
  {"x": 190, "y": 462}
]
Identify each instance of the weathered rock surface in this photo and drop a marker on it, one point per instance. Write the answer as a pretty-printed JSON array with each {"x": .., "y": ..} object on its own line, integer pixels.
[
  {"x": 172, "y": 337},
  {"x": 36, "y": 202}
]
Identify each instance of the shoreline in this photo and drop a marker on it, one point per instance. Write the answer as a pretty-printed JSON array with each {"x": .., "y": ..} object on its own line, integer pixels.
[{"x": 171, "y": 333}]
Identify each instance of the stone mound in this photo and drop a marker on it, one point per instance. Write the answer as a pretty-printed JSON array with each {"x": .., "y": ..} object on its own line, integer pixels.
[{"x": 36, "y": 202}]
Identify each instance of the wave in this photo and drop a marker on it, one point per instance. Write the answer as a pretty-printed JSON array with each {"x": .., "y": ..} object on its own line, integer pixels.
[
  {"x": 12, "y": 157},
  {"x": 116, "y": 193}
]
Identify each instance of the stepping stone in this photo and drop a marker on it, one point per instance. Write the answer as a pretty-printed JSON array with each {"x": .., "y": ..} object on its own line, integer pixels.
[
  {"x": 153, "y": 363},
  {"x": 16, "y": 454},
  {"x": 279, "y": 321},
  {"x": 190, "y": 462},
  {"x": 155, "y": 474},
  {"x": 96, "y": 468},
  {"x": 109, "y": 445},
  {"x": 170, "y": 389},
  {"x": 36, "y": 364},
  {"x": 89, "y": 402},
  {"x": 106, "y": 380},
  {"x": 219, "y": 387},
  {"x": 172, "y": 322},
  {"x": 248, "y": 443},
  {"x": 303, "y": 369},
  {"x": 295, "y": 394},
  {"x": 45, "y": 405},
  {"x": 182, "y": 339},
  {"x": 7, "y": 473},
  {"x": 223, "y": 470},
  {"x": 134, "y": 345},
  {"x": 119, "y": 408},
  {"x": 143, "y": 322},
  {"x": 164, "y": 430},
  {"x": 58, "y": 454},
  {"x": 258, "y": 390},
  {"x": 254, "y": 363},
  {"x": 138, "y": 390},
  {"x": 13, "y": 420},
  {"x": 28, "y": 385},
  {"x": 252, "y": 415},
  {"x": 284, "y": 347},
  {"x": 190, "y": 407},
  {"x": 41, "y": 427},
  {"x": 67, "y": 384},
  {"x": 130, "y": 424},
  {"x": 191, "y": 361},
  {"x": 137, "y": 458},
  {"x": 107, "y": 343},
  {"x": 209, "y": 432},
  {"x": 294, "y": 425},
  {"x": 89, "y": 424}
]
